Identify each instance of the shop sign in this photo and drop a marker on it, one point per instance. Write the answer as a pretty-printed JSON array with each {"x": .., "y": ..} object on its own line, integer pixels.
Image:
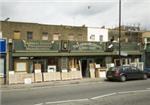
[
  {"x": 3, "y": 45},
  {"x": 88, "y": 46}
]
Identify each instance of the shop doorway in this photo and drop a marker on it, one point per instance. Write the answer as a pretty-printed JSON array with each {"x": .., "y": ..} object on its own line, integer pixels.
[
  {"x": 40, "y": 65},
  {"x": 85, "y": 71},
  {"x": 118, "y": 62}
]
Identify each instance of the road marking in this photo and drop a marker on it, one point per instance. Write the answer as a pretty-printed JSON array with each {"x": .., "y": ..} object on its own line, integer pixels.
[
  {"x": 93, "y": 98},
  {"x": 125, "y": 92},
  {"x": 66, "y": 101},
  {"x": 39, "y": 104},
  {"x": 102, "y": 96}
]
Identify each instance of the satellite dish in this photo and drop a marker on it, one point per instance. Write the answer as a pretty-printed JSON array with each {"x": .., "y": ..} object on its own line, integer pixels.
[{"x": 7, "y": 19}]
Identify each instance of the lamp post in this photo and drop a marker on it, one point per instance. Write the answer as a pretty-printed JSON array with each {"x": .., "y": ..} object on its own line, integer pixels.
[{"x": 119, "y": 30}]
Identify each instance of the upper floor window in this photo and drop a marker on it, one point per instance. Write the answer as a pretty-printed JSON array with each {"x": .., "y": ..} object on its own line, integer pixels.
[
  {"x": 56, "y": 36},
  {"x": 101, "y": 38},
  {"x": 80, "y": 37},
  {"x": 92, "y": 37},
  {"x": 71, "y": 37},
  {"x": 29, "y": 35},
  {"x": 148, "y": 39},
  {"x": 45, "y": 36},
  {"x": 16, "y": 35}
]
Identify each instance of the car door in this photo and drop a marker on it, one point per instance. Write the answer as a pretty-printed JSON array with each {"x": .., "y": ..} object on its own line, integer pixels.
[
  {"x": 140, "y": 73},
  {"x": 135, "y": 73},
  {"x": 129, "y": 73}
]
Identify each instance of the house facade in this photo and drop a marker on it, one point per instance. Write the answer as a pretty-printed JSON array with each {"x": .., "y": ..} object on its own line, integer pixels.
[
  {"x": 96, "y": 34},
  {"x": 35, "y": 31},
  {"x": 146, "y": 42}
]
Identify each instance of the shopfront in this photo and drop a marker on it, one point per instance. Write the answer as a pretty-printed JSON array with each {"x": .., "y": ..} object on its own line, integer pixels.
[
  {"x": 147, "y": 56},
  {"x": 3, "y": 54},
  {"x": 41, "y": 61}
]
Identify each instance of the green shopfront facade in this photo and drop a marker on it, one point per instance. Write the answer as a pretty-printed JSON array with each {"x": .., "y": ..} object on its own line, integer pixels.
[{"x": 64, "y": 60}]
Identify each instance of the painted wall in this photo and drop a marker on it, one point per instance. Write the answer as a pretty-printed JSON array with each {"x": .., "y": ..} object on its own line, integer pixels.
[{"x": 94, "y": 34}]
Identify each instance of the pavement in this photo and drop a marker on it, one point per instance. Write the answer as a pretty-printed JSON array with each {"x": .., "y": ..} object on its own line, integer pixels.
[{"x": 51, "y": 83}]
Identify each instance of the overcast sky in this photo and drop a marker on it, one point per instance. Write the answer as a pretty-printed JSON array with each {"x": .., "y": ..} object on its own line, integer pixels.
[{"x": 92, "y": 13}]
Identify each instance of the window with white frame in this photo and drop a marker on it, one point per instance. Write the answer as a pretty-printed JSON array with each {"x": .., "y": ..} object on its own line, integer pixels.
[
  {"x": 101, "y": 38},
  {"x": 92, "y": 37}
]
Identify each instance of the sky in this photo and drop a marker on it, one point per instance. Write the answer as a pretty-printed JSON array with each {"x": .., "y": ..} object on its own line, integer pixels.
[{"x": 91, "y": 13}]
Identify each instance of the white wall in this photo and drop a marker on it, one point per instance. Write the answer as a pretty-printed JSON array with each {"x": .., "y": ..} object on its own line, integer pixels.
[
  {"x": 97, "y": 32},
  {"x": 1, "y": 34}
]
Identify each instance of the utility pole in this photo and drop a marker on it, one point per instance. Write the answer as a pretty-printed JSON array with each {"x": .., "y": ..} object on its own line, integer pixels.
[{"x": 119, "y": 30}]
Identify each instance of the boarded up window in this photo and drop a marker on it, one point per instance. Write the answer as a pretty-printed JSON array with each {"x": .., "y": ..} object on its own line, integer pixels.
[
  {"x": 16, "y": 35},
  {"x": 56, "y": 36},
  {"x": 21, "y": 66},
  {"x": 71, "y": 37}
]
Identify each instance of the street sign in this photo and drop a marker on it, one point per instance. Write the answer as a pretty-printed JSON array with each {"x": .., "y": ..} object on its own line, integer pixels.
[{"x": 3, "y": 45}]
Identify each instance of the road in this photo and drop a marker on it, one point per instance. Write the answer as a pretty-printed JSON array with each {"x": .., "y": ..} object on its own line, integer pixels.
[{"x": 98, "y": 93}]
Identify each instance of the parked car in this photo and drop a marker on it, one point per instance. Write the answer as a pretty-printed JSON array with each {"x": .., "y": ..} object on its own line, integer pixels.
[
  {"x": 147, "y": 71},
  {"x": 123, "y": 73}
]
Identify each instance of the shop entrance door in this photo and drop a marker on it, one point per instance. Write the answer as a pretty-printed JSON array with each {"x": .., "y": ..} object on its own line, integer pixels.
[
  {"x": 85, "y": 71},
  {"x": 118, "y": 62},
  {"x": 41, "y": 65}
]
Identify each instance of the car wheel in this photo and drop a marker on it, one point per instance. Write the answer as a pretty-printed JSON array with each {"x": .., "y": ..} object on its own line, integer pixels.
[
  {"x": 122, "y": 78},
  {"x": 144, "y": 76},
  {"x": 108, "y": 79}
]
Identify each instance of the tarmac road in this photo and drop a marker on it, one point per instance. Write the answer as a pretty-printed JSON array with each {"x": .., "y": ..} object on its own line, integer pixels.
[{"x": 93, "y": 93}]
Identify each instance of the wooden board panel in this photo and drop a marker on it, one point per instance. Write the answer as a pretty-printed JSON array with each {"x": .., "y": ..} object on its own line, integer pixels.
[{"x": 38, "y": 77}]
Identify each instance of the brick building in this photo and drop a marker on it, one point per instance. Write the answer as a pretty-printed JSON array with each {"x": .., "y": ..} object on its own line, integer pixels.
[
  {"x": 128, "y": 34},
  {"x": 35, "y": 31},
  {"x": 55, "y": 52}
]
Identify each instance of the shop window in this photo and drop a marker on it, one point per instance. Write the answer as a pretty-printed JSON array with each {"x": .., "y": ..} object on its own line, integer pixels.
[
  {"x": 20, "y": 66},
  {"x": 124, "y": 62},
  {"x": 148, "y": 40},
  {"x": 1, "y": 67},
  {"x": 45, "y": 36},
  {"x": 16, "y": 35},
  {"x": 64, "y": 64},
  {"x": 29, "y": 35}
]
